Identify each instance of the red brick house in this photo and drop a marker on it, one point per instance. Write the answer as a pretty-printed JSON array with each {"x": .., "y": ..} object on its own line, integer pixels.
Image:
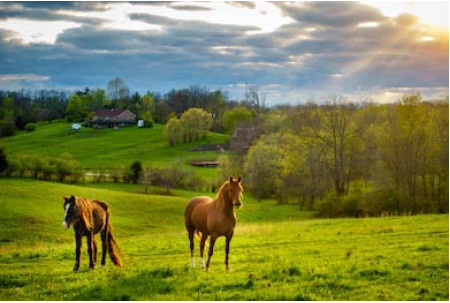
[{"x": 108, "y": 118}]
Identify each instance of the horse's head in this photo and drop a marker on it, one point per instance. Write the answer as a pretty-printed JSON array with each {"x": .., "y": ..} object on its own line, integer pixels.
[
  {"x": 234, "y": 192},
  {"x": 70, "y": 211}
]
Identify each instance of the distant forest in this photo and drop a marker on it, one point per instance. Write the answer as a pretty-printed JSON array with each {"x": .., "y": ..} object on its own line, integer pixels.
[{"x": 337, "y": 158}]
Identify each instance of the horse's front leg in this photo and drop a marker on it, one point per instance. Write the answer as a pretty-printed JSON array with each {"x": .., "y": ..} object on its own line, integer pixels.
[
  {"x": 77, "y": 251},
  {"x": 212, "y": 241},
  {"x": 90, "y": 243},
  {"x": 227, "y": 249}
]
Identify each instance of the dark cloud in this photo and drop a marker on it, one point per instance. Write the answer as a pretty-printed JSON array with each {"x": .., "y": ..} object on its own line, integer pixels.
[{"x": 326, "y": 13}]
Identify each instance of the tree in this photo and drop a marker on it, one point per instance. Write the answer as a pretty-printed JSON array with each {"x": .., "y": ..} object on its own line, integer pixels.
[
  {"x": 174, "y": 131},
  {"x": 195, "y": 122},
  {"x": 234, "y": 117},
  {"x": 136, "y": 171},
  {"x": 117, "y": 91},
  {"x": 331, "y": 126},
  {"x": 3, "y": 161},
  {"x": 75, "y": 110},
  {"x": 256, "y": 98}
]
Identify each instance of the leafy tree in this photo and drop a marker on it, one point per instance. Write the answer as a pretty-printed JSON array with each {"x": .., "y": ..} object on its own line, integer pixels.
[
  {"x": 75, "y": 109},
  {"x": 174, "y": 131},
  {"x": 195, "y": 122},
  {"x": 234, "y": 117}
]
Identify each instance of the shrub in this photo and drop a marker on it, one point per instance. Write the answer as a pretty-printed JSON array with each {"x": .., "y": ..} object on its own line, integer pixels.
[
  {"x": 30, "y": 127},
  {"x": 3, "y": 161},
  {"x": 7, "y": 128}
]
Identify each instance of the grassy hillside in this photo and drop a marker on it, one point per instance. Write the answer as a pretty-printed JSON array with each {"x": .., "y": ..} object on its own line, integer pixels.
[
  {"x": 275, "y": 255},
  {"x": 108, "y": 148}
]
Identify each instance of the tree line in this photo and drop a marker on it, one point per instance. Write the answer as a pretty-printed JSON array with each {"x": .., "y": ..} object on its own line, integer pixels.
[
  {"x": 345, "y": 159},
  {"x": 18, "y": 108}
]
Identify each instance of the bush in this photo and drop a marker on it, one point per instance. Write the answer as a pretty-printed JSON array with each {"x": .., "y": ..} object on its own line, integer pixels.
[
  {"x": 7, "y": 128},
  {"x": 3, "y": 161},
  {"x": 30, "y": 127}
]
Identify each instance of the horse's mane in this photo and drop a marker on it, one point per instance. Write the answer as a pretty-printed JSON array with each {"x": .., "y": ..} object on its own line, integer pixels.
[
  {"x": 221, "y": 191},
  {"x": 84, "y": 209}
]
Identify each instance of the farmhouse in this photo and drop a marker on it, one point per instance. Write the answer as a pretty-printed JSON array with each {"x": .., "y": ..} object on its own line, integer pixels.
[{"x": 108, "y": 118}]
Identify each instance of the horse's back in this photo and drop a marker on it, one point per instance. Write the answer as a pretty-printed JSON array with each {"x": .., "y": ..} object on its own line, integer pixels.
[{"x": 195, "y": 210}]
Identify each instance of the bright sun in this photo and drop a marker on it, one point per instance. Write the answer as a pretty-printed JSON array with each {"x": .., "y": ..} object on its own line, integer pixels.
[{"x": 433, "y": 13}]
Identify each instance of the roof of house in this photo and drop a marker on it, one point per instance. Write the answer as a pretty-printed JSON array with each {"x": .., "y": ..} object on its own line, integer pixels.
[{"x": 109, "y": 112}]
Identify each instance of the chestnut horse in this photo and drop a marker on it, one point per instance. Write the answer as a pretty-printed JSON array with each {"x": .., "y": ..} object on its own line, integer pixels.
[
  {"x": 88, "y": 219},
  {"x": 213, "y": 217}
]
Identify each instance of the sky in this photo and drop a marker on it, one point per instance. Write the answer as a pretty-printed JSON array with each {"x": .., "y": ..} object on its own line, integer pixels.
[{"x": 292, "y": 51}]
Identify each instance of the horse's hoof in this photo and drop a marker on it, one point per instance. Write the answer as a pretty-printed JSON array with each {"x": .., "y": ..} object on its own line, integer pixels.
[{"x": 229, "y": 269}]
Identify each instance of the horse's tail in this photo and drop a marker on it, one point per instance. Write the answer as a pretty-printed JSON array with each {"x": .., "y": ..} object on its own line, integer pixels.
[{"x": 113, "y": 248}]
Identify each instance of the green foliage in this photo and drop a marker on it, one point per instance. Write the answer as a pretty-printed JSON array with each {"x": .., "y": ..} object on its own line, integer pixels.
[
  {"x": 3, "y": 161},
  {"x": 192, "y": 126},
  {"x": 174, "y": 131},
  {"x": 136, "y": 171},
  {"x": 195, "y": 122},
  {"x": 7, "y": 128},
  {"x": 76, "y": 111},
  {"x": 234, "y": 117},
  {"x": 60, "y": 168},
  {"x": 148, "y": 120},
  {"x": 30, "y": 127}
]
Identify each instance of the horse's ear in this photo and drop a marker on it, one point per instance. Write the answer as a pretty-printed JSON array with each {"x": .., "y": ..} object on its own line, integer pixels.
[
  {"x": 239, "y": 179},
  {"x": 69, "y": 198},
  {"x": 231, "y": 178}
]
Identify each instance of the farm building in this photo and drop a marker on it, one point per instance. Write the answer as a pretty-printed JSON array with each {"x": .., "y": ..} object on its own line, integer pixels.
[{"x": 108, "y": 118}]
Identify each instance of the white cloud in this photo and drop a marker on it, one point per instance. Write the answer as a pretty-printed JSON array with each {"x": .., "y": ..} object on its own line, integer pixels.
[
  {"x": 33, "y": 31},
  {"x": 23, "y": 77},
  {"x": 266, "y": 17}
]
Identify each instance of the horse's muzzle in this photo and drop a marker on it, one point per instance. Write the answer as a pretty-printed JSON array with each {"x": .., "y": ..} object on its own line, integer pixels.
[{"x": 65, "y": 225}]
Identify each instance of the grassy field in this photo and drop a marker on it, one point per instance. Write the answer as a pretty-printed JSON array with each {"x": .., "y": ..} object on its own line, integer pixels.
[
  {"x": 107, "y": 148},
  {"x": 278, "y": 252}
]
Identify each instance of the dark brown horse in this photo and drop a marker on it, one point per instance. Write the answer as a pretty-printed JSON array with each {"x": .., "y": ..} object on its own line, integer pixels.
[
  {"x": 213, "y": 217},
  {"x": 88, "y": 219}
]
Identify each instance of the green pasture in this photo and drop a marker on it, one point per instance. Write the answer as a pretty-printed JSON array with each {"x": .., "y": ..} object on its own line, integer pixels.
[
  {"x": 109, "y": 148},
  {"x": 278, "y": 252}
]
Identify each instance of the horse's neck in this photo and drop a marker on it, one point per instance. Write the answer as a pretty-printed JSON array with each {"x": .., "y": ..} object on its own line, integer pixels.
[{"x": 225, "y": 206}]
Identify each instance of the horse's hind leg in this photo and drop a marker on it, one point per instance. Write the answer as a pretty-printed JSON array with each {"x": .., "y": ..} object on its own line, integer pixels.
[
  {"x": 90, "y": 251},
  {"x": 94, "y": 246},
  {"x": 202, "y": 249},
  {"x": 104, "y": 248},
  {"x": 191, "y": 240}
]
